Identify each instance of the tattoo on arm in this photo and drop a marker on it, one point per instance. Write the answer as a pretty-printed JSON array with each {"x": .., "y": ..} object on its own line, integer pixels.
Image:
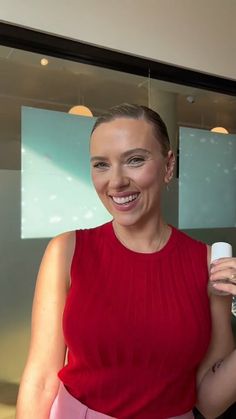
[{"x": 217, "y": 365}]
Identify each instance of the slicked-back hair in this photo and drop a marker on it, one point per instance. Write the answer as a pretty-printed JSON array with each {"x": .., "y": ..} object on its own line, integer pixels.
[{"x": 139, "y": 112}]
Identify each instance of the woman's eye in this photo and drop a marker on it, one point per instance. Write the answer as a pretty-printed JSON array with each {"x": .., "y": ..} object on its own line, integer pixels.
[
  {"x": 136, "y": 161},
  {"x": 100, "y": 165}
]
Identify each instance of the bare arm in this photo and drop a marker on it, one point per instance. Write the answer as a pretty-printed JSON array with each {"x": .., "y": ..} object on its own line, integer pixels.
[
  {"x": 216, "y": 378},
  {"x": 217, "y": 374},
  {"x": 39, "y": 383}
]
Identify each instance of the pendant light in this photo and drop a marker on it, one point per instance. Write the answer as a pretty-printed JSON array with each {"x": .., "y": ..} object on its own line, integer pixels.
[
  {"x": 220, "y": 130},
  {"x": 80, "y": 110}
]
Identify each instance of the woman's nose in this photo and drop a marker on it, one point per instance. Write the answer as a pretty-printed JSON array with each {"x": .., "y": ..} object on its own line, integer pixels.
[{"x": 118, "y": 179}]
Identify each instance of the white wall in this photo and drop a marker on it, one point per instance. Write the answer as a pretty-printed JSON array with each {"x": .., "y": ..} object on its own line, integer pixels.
[{"x": 194, "y": 34}]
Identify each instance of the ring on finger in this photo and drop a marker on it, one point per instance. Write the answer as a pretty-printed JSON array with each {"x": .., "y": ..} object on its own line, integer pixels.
[{"x": 233, "y": 277}]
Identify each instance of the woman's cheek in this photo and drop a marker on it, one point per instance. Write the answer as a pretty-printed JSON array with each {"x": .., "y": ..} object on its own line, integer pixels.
[{"x": 98, "y": 182}]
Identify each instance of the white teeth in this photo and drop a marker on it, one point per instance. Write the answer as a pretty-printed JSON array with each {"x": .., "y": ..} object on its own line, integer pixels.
[{"x": 124, "y": 199}]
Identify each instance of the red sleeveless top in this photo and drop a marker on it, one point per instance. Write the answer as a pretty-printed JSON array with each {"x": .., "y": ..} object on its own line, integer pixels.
[{"x": 137, "y": 325}]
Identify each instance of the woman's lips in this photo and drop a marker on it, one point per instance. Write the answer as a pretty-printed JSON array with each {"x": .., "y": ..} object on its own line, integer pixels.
[{"x": 125, "y": 202}]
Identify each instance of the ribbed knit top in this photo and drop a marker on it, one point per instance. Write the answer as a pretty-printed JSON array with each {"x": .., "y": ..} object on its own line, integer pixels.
[{"x": 137, "y": 325}]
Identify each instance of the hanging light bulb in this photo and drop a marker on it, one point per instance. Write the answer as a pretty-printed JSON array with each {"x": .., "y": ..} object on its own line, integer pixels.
[
  {"x": 80, "y": 110},
  {"x": 220, "y": 130}
]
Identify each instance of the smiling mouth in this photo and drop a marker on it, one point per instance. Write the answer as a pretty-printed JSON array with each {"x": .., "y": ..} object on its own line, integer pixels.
[{"x": 124, "y": 200}]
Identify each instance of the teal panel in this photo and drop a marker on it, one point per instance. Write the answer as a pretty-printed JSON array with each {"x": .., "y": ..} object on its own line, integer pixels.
[
  {"x": 207, "y": 179},
  {"x": 57, "y": 191}
]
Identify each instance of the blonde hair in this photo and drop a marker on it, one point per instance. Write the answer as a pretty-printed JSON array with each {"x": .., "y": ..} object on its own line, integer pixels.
[{"x": 127, "y": 110}]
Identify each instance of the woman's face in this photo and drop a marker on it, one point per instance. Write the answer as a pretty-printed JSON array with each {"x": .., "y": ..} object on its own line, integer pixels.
[{"x": 129, "y": 169}]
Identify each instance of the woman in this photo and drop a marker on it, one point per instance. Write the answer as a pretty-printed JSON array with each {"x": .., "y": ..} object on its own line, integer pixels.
[{"x": 144, "y": 339}]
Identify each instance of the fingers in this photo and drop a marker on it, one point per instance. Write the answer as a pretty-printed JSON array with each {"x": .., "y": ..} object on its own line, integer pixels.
[
  {"x": 225, "y": 262},
  {"x": 223, "y": 268},
  {"x": 229, "y": 287},
  {"x": 227, "y": 273}
]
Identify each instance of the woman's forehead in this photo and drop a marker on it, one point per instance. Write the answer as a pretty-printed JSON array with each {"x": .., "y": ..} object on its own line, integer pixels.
[
  {"x": 123, "y": 133},
  {"x": 123, "y": 128}
]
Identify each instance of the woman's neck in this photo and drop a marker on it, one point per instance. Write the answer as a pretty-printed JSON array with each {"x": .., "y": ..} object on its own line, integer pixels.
[{"x": 144, "y": 239}]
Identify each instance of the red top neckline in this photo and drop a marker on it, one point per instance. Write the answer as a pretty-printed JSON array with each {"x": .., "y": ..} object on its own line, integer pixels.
[{"x": 159, "y": 253}]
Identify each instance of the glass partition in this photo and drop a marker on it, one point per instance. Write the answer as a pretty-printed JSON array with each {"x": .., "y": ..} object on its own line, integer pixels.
[{"x": 207, "y": 179}]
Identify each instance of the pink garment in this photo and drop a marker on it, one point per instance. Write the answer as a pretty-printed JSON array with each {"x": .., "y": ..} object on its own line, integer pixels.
[{"x": 65, "y": 406}]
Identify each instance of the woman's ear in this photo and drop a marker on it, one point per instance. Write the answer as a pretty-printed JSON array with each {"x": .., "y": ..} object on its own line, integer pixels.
[{"x": 170, "y": 165}]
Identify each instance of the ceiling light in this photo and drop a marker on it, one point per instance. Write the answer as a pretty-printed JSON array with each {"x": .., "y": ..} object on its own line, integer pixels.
[
  {"x": 80, "y": 110},
  {"x": 44, "y": 61},
  {"x": 220, "y": 130}
]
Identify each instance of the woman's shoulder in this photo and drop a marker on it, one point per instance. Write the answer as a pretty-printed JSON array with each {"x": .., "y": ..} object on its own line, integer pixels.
[
  {"x": 94, "y": 233},
  {"x": 62, "y": 240},
  {"x": 60, "y": 249},
  {"x": 188, "y": 238},
  {"x": 66, "y": 242},
  {"x": 192, "y": 245}
]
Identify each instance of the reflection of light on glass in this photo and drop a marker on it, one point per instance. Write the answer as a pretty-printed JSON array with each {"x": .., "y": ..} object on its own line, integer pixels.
[
  {"x": 55, "y": 219},
  {"x": 52, "y": 197},
  {"x": 47, "y": 157},
  {"x": 88, "y": 214},
  {"x": 234, "y": 306}
]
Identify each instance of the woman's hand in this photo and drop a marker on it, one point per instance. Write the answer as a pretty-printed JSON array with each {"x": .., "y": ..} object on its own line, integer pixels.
[{"x": 224, "y": 269}]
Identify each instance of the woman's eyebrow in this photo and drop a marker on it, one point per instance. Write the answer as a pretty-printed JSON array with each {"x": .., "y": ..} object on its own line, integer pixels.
[
  {"x": 123, "y": 155},
  {"x": 100, "y": 158},
  {"x": 136, "y": 150}
]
